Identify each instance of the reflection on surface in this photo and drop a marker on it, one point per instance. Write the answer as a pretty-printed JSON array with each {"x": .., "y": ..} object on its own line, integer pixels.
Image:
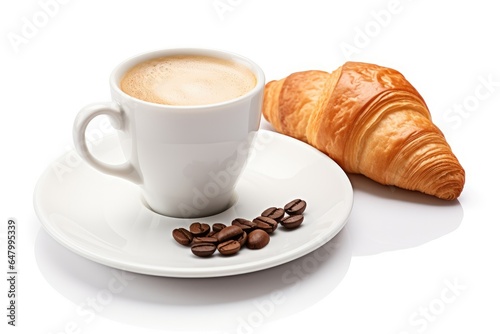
[
  {"x": 386, "y": 218},
  {"x": 382, "y": 219},
  {"x": 229, "y": 304}
]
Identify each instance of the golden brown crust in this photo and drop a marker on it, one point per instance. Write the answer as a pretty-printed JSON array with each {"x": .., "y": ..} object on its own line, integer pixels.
[{"x": 371, "y": 121}]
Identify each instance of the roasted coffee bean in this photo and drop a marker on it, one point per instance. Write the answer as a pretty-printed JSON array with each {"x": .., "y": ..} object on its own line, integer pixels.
[
  {"x": 203, "y": 240},
  {"x": 199, "y": 229},
  {"x": 275, "y": 213},
  {"x": 243, "y": 239},
  {"x": 245, "y": 224},
  {"x": 229, "y": 239},
  {"x": 292, "y": 222},
  {"x": 203, "y": 249},
  {"x": 182, "y": 236},
  {"x": 217, "y": 227},
  {"x": 229, "y": 247},
  {"x": 265, "y": 223},
  {"x": 258, "y": 239},
  {"x": 296, "y": 207},
  {"x": 229, "y": 232},
  {"x": 212, "y": 234}
]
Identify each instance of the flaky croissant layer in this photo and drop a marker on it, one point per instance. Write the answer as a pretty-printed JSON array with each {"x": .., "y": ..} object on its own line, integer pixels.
[{"x": 371, "y": 121}]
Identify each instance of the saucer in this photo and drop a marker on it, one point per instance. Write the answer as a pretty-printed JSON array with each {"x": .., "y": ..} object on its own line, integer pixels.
[{"x": 104, "y": 218}]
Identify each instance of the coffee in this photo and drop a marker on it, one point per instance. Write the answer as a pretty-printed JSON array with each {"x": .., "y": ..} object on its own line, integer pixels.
[
  {"x": 188, "y": 80},
  {"x": 173, "y": 151}
]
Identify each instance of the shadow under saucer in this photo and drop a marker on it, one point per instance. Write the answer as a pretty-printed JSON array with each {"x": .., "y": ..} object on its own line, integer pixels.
[{"x": 222, "y": 304}]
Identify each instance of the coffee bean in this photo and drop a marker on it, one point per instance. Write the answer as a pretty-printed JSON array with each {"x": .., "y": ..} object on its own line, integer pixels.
[
  {"x": 203, "y": 240},
  {"x": 245, "y": 224},
  {"x": 243, "y": 239},
  {"x": 182, "y": 236},
  {"x": 258, "y": 239},
  {"x": 212, "y": 234},
  {"x": 296, "y": 207},
  {"x": 229, "y": 247},
  {"x": 229, "y": 232},
  {"x": 292, "y": 222},
  {"x": 203, "y": 249},
  {"x": 199, "y": 229},
  {"x": 265, "y": 223},
  {"x": 254, "y": 234},
  {"x": 217, "y": 227},
  {"x": 275, "y": 213}
]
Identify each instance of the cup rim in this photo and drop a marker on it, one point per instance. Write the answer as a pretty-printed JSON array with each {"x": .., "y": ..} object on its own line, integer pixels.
[{"x": 126, "y": 64}]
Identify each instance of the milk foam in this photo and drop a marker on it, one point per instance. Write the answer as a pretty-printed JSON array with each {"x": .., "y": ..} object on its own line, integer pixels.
[{"x": 188, "y": 80}]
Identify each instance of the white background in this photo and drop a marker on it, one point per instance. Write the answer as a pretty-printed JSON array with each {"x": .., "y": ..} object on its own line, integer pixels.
[{"x": 405, "y": 263}]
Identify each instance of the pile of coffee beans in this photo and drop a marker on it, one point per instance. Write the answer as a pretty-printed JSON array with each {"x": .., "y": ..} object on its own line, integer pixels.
[{"x": 204, "y": 239}]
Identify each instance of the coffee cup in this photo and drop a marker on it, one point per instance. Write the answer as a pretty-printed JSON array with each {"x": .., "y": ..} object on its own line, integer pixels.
[{"x": 185, "y": 119}]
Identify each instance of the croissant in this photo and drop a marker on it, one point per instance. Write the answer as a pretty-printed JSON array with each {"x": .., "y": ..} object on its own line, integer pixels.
[{"x": 371, "y": 121}]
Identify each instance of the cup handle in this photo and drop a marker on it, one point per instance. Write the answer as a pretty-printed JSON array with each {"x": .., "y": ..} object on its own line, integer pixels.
[{"x": 82, "y": 120}]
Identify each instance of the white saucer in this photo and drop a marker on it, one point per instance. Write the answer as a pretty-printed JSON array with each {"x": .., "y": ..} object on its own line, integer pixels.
[{"x": 103, "y": 218}]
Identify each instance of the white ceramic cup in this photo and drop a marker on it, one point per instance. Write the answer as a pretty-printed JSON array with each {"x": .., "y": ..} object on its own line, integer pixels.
[{"x": 186, "y": 159}]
